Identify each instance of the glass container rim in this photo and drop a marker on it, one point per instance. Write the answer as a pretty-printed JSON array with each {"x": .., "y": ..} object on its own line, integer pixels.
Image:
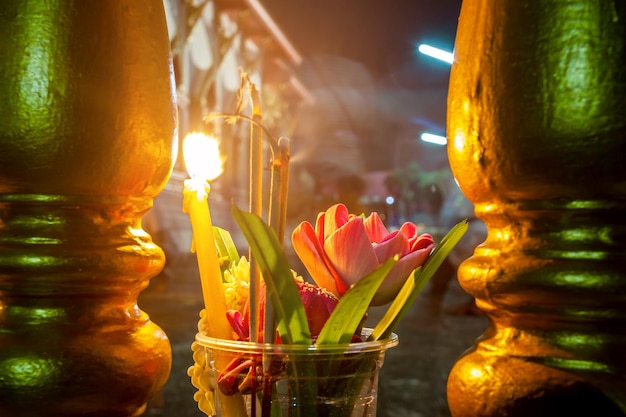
[{"x": 358, "y": 347}]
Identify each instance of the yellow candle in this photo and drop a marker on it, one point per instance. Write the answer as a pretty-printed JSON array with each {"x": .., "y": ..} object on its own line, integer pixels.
[
  {"x": 204, "y": 164},
  {"x": 197, "y": 148}
]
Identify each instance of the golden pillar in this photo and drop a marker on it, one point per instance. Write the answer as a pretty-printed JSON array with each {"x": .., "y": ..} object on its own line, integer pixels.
[
  {"x": 537, "y": 141},
  {"x": 87, "y": 140}
]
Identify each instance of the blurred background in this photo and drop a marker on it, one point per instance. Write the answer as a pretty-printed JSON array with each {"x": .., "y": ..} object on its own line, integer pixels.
[{"x": 365, "y": 113}]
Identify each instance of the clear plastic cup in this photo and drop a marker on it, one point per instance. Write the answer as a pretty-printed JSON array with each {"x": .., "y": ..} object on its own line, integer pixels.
[{"x": 243, "y": 379}]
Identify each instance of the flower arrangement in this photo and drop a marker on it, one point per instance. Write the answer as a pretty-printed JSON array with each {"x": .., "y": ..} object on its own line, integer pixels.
[{"x": 272, "y": 344}]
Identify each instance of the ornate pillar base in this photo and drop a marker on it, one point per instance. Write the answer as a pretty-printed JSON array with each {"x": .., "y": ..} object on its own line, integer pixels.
[
  {"x": 87, "y": 133},
  {"x": 537, "y": 138}
]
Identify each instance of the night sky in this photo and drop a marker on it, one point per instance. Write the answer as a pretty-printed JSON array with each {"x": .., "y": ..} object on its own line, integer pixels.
[{"x": 380, "y": 34}]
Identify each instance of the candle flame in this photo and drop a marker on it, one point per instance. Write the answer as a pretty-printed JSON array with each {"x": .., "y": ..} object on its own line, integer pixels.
[{"x": 202, "y": 156}]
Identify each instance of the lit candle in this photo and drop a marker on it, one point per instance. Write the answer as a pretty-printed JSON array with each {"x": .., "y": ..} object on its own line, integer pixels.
[{"x": 204, "y": 164}]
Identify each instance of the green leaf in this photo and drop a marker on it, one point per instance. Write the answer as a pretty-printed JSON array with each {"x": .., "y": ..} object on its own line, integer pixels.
[
  {"x": 414, "y": 285},
  {"x": 352, "y": 306},
  {"x": 225, "y": 245},
  {"x": 282, "y": 290}
]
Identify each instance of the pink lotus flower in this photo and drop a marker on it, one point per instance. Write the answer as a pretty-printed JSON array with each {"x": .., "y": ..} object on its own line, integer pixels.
[{"x": 345, "y": 247}]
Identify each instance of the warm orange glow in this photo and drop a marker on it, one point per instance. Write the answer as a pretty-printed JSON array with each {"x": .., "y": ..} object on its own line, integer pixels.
[
  {"x": 459, "y": 142},
  {"x": 203, "y": 162},
  {"x": 476, "y": 373},
  {"x": 202, "y": 156}
]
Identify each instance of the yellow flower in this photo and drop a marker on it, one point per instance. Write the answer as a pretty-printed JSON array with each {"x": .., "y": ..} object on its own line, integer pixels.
[{"x": 237, "y": 285}]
